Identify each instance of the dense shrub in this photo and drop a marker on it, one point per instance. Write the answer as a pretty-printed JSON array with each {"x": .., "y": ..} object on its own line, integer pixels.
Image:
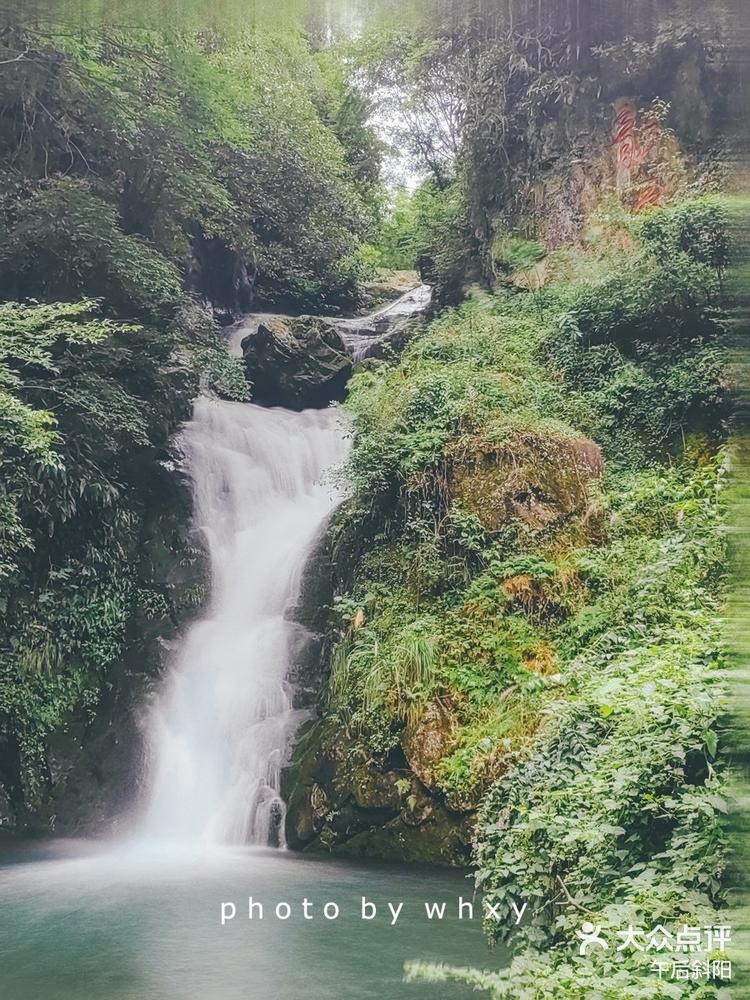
[
  {"x": 569, "y": 631},
  {"x": 65, "y": 241},
  {"x": 696, "y": 227}
]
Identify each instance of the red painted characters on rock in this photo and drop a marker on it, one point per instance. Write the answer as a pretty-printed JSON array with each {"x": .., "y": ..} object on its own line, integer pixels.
[
  {"x": 638, "y": 149},
  {"x": 629, "y": 151}
]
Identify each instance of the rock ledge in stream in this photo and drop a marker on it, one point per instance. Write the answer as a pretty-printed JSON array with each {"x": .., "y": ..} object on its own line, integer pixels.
[{"x": 297, "y": 362}]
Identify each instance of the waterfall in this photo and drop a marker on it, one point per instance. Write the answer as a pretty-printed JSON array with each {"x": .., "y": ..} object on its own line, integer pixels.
[{"x": 225, "y": 716}]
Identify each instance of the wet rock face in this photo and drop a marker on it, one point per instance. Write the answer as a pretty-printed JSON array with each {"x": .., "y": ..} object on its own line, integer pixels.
[
  {"x": 428, "y": 742},
  {"x": 311, "y": 644},
  {"x": 7, "y": 814},
  {"x": 344, "y": 806},
  {"x": 222, "y": 276},
  {"x": 297, "y": 362}
]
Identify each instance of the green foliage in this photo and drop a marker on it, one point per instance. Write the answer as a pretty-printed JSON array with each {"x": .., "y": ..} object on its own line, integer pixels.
[
  {"x": 696, "y": 227},
  {"x": 32, "y": 338},
  {"x": 200, "y": 339},
  {"x": 418, "y": 79},
  {"x": 515, "y": 253},
  {"x": 575, "y": 656},
  {"x": 641, "y": 302},
  {"x": 613, "y": 813},
  {"x": 472, "y": 371},
  {"x": 632, "y": 838},
  {"x": 64, "y": 241},
  {"x": 346, "y": 109},
  {"x": 397, "y": 238},
  {"x": 167, "y": 144},
  {"x": 427, "y": 229},
  {"x": 640, "y": 409},
  {"x": 639, "y": 337},
  {"x": 84, "y": 404}
]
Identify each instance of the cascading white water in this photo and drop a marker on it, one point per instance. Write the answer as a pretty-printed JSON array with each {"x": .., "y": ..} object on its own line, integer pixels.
[
  {"x": 223, "y": 721},
  {"x": 359, "y": 334}
]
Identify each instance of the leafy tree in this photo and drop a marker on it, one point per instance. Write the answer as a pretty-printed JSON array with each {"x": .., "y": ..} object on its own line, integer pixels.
[{"x": 196, "y": 144}]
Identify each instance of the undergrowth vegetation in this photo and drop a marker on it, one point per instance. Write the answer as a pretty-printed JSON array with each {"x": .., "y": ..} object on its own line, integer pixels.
[
  {"x": 87, "y": 406},
  {"x": 539, "y": 479}
]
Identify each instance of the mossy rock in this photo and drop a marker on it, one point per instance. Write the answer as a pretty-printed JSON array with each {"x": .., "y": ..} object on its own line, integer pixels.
[
  {"x": 428, "y": 741},
  {"x": 443, "y": 840},
  {"x": 297, "y": 362},
  {"x": 371, "y": 789},
  {"x": 539, "y": 479}
]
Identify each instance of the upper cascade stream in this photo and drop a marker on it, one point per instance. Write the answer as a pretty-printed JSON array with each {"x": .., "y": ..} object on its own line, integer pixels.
[
  {"x": 359, "y": 333},
  {"x": 221, "y": 726}
]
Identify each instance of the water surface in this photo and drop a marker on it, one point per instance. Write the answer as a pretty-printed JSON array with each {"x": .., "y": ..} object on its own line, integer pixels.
[{"x": 138, "y": 925}]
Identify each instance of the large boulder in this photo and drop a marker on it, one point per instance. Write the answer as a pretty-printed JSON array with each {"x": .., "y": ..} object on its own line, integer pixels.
[
  {"x": 542, "y": 479},
  {"x": 297, "y": 362}
]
